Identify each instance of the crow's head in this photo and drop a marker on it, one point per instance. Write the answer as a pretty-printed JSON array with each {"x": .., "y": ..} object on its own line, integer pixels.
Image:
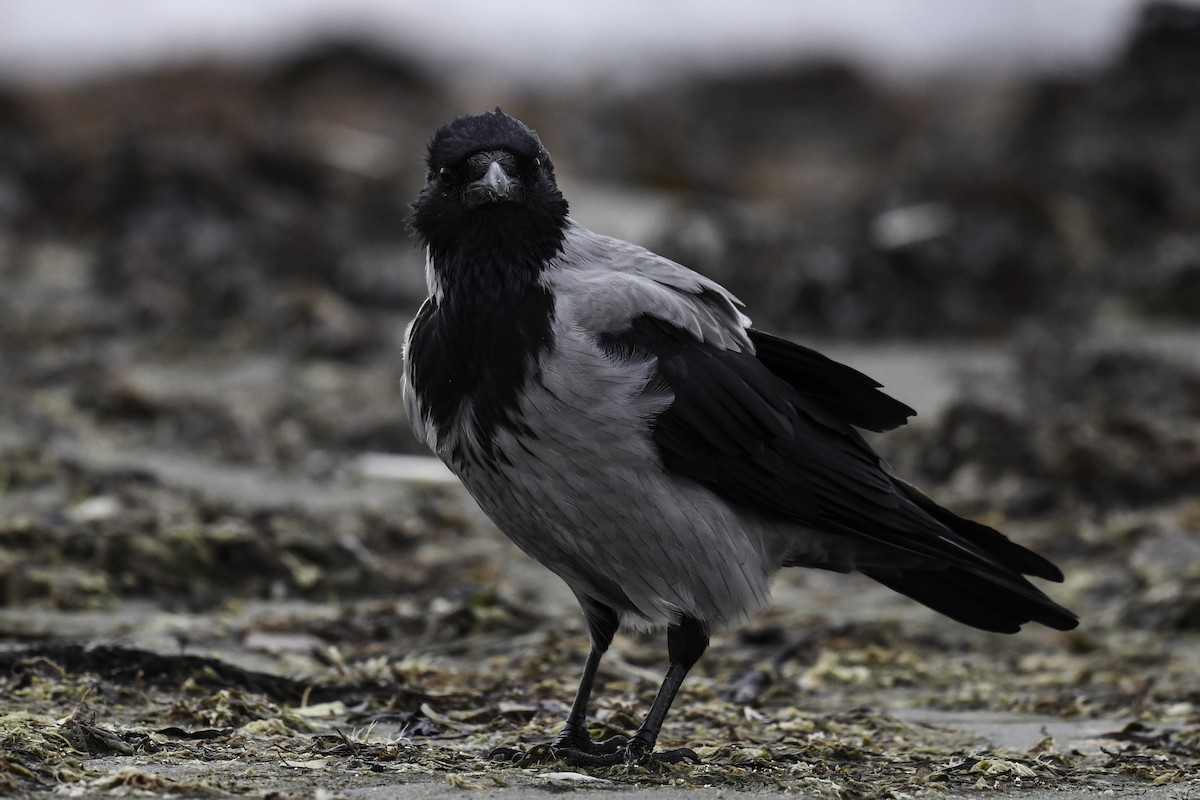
[{"x": 490, "y": 185}]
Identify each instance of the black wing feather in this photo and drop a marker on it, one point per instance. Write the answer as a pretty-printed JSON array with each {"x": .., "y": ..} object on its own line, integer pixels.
[
  {"x": 775, "y": 432},
  {"x": 847, "y": 392}
]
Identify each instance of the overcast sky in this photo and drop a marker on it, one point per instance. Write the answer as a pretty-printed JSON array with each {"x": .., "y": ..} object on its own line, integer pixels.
[{"x": 560, "y": 41}]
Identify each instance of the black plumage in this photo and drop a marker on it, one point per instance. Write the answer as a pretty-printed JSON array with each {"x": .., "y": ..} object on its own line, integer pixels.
[{"x": 489, "y": 320}]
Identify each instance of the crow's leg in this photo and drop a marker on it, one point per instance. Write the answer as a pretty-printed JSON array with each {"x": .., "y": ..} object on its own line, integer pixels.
[
  {"x": 686, "y": 642},
  {"x": 602, "y": 625},
  {"x": 574, "y": 739}
]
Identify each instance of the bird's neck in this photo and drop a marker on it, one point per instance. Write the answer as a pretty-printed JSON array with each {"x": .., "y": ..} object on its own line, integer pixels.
[
  {"x": 491, "y": 316},
  {"x": 493, "y": 322},
  {"x": 480, "y": 282},
  {"x": 495, "y": 308},
  {"x": 518, "y": 241},
  {"x": 492, "y": 258}
]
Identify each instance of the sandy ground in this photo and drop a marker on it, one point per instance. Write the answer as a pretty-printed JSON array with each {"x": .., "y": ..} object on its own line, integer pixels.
[{"x": 850, "y": 692}]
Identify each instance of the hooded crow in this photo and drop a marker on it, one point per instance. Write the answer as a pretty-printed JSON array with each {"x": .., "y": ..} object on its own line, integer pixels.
[{"x": 618, "y": 418}]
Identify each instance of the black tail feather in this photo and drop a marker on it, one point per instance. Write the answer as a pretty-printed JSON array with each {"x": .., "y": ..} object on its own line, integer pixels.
[
  {"x": 976, "y": 599},
  {"x": 991, "y": 595},
  {"x": 997, "y": 545}
]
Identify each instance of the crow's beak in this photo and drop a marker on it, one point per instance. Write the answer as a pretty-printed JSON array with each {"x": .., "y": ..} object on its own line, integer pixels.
[{"x": 496, "y": 186}]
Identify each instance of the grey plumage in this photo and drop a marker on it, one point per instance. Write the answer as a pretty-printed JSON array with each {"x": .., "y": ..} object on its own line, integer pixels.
[
  {"x": 617, "y": 417},
  {"x": 586, "y": 496}
]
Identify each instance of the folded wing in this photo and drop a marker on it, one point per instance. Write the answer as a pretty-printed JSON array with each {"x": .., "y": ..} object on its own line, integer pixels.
[{"x": 774, "y": 432}]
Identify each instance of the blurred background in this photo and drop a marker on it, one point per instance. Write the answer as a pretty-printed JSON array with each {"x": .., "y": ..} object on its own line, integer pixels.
[{"x": 205, "y": 276}]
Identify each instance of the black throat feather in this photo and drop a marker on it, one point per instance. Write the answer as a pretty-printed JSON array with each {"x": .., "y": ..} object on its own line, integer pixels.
[{"x": 478, "y": 342}]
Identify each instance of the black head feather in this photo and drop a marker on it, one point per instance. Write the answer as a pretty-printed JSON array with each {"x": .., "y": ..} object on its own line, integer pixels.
[
  {"x": 458, "y": 139},
  {"x": 525, "y": 230}
]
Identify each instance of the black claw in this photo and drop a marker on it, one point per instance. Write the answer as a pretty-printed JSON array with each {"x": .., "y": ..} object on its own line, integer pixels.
[
  {"x": 613, "y": 744},
  {"x": 580, "y": 758},
  {"x": 508, "y": 754},
  {"x": 678, "y": 756}
]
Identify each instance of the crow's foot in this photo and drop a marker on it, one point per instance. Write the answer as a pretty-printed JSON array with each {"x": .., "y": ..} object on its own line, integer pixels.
[
  {"x": 622, "y": 750},
  {"x": 588, "y": 753},
  {"x": 576, "y": 749},
  {"x": 572, "y": 746}
]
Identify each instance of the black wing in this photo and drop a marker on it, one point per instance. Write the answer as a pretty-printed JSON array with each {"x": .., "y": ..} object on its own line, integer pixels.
[
  {"x": 846, "y": 392},
  {"x": 775, "y": 433}
]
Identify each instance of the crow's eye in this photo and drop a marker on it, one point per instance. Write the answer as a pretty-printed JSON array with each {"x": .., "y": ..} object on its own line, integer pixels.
[
  {"x": 444, "y": 175},
  {"x": 537, "y": 163}
]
